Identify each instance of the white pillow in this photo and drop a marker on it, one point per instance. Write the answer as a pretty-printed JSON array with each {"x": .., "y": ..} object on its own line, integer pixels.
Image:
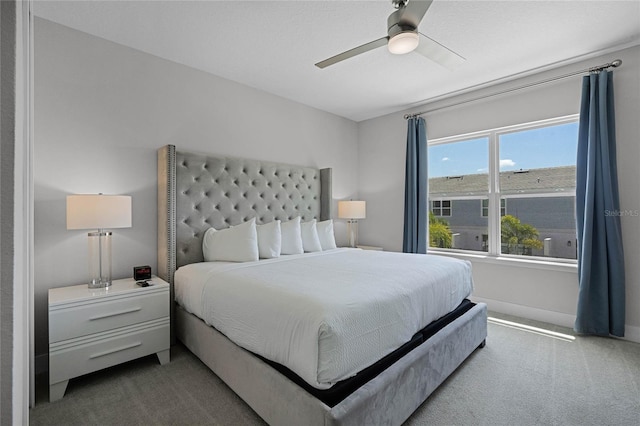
[
  {"x": 310, "y": 240},
  {"x": 235, "y": 244},
  {"x": 291, "y": 237},
  {"x": 326, "y": 235},
  {"x": 269, "y": 240}
]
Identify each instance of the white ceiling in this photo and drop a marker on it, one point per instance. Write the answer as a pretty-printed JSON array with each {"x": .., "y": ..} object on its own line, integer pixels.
[{"x": 273, "y": 45}]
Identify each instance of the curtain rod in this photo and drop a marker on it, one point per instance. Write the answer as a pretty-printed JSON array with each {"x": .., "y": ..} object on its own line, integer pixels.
[{"x": 613, "y": 64}]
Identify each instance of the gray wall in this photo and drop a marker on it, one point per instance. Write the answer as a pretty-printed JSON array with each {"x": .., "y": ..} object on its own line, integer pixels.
[
  {"x": 547, "y": 294},
  {"x": 101, "y": 112}
]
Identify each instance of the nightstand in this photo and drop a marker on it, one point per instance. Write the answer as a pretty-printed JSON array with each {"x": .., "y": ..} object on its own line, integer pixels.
[{"x": 92, "y": 329}]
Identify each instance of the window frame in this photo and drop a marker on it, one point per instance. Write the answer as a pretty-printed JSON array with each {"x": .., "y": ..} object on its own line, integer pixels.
[
  {"x": 441, "y": 208},
  {"x": 494, "y": 195},
  {"x": 503, "y": 209}
]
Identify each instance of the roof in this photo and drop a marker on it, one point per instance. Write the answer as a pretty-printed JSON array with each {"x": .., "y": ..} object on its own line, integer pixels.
[{"x": 548, "y": 179}]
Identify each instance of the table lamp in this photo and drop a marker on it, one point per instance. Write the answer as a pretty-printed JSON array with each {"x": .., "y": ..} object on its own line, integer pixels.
[
  {"x": 91, "y": 211},
  {"x": 352, "y": 211}
]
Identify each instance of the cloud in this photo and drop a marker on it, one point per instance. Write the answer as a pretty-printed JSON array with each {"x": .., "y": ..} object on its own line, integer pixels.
[
  {"x": 482, "y": 170},
  {"x": 507, "y": 163},
  {"x": 445, "y": 158}
]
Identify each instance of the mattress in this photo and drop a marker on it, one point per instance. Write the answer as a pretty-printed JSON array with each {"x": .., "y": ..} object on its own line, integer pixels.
[{"x": 327, "y": 315}]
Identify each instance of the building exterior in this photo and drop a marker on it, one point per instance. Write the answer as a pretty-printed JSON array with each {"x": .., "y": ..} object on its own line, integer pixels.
[{"x": 543, "y": 198}]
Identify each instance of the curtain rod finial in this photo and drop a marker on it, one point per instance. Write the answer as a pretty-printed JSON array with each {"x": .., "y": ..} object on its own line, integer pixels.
[{"x": 616, "y": 63}]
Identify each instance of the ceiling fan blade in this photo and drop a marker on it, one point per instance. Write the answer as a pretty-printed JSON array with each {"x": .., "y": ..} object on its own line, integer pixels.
[
  {"x": 413, "y": 12},
  {"x": 438, "y": 53},
  {"x": 353, "y": 52}
]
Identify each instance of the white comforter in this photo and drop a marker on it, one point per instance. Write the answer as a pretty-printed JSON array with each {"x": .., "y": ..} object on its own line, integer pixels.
[{"x": 324, "y": 315}]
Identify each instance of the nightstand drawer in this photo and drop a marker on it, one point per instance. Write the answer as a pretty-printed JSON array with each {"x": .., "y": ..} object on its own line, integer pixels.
[
  {"x": 84, "y": 355},
  {"x": 92, "y": 318}
]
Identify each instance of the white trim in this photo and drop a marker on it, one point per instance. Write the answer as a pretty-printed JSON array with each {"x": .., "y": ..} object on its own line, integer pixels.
[
  {"x": 479, "y": 196},
  {"x": 23, "y": 389},
  {"x": 555, "y": 264},
  {"x": 531, "y": 194},
  {"x": 24, "y": 380},
  {"x": 486, "y": 133},
  {"x": 493, "y": 220},
  {"x": 632, "y": 333},
  {"x": 523, "y": 311},
  {"x": 539, "y": 124},
  {"x": 485, "y": 196}
]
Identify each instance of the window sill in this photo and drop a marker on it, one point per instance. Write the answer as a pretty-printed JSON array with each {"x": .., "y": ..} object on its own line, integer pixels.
[{"x": 510, "y": 261}]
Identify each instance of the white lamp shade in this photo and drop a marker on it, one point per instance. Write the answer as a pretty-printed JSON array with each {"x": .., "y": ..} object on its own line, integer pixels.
[
  {"x": 404, "y": 42},
  {"x": 99, "y": 211},
  {"x": 352, "y": 209}
]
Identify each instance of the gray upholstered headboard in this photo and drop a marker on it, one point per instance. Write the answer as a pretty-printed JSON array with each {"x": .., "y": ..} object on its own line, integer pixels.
[{"x": 197, "y": 191}]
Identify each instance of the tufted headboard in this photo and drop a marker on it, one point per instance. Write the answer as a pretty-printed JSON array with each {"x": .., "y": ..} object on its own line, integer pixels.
[{"x": 196, "y": 192}]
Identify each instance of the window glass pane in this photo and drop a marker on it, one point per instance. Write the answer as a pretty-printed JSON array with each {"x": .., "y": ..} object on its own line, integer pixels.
[
  {"x": 459, "y": 168},
  {"x": 446, "y": 208},
  {"x": 459, "y": 227},
  {"x": 435, "y": 208},
  {"x": 535, "y": 176},
  {"x": 539, "y": 160},
  {"x": 540, "y": 226}
]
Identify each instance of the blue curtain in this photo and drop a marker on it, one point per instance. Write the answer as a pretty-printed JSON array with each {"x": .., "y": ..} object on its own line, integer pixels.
[
  {"x": 601, "y": 297},
  {"x": 415, "y": 189}
]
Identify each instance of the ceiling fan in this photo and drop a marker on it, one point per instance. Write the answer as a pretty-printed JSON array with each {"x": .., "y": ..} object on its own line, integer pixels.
[{"x": 403, "y": 37}]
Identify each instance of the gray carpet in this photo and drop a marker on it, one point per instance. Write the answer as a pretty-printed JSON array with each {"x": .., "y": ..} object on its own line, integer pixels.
[{"x": 521, "y": 377}]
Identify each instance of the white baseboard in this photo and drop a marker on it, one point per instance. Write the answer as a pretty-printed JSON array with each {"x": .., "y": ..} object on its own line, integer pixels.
[{"x": 632, "y": 333}]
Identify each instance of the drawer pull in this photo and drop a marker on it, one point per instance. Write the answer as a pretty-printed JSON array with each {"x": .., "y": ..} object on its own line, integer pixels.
[
  {"x": 123, "y": 348},
  {"x": 113, "y": 314}
]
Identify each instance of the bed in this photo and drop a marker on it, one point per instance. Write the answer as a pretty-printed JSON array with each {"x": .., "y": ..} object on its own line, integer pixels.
[{"x": 196, "y": 192}]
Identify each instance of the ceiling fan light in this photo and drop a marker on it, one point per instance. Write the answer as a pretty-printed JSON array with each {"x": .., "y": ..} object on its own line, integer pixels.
[{"x": 403, "y": 42}]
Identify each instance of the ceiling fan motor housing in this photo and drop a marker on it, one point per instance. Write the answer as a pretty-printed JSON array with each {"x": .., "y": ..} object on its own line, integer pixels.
[{"x": 395, "y": 26}]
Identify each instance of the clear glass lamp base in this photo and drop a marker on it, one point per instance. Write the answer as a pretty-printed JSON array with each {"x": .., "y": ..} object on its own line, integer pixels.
[
  {"x": 99, "y": 259},
  {"x": 99, "y": 284},
  {"x": 352, "y": 232}
]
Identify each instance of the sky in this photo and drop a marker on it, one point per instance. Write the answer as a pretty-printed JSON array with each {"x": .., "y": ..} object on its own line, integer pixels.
[{"x": 529, "y": 149}]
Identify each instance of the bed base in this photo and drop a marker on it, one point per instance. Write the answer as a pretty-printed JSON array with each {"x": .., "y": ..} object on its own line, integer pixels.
[{"x": 390, "y": 398}]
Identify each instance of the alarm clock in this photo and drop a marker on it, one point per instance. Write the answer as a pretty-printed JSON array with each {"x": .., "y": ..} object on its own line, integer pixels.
[{"x": 141, "y": 273}]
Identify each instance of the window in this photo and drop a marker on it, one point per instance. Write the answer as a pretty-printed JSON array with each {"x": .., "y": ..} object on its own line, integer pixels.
[
  {"x": 441, "y": 207},
  {"x": 484, "y": 207},
  {"x": 450, "y": 181},
  {"x": 530, "y": 167}
]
